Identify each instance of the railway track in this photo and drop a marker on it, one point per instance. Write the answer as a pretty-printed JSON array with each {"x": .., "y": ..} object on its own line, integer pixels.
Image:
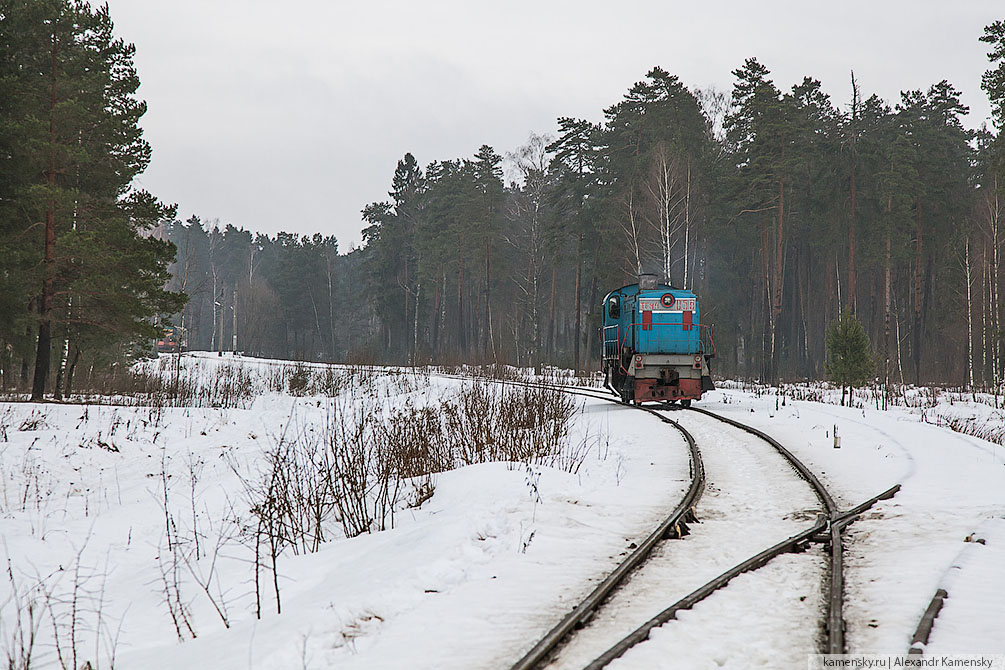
[
  {"x": 826, "y": 530},
  {"x": 674, "y": 525}
]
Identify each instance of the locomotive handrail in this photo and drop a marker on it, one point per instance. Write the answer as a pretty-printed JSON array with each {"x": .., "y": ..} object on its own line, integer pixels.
[
  {"x": 711, "y": 337},
  {"x": 606, "y": 341}
]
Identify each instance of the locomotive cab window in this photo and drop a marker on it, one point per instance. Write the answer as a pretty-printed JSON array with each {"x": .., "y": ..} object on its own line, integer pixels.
[{"x": 613, "y": 307}]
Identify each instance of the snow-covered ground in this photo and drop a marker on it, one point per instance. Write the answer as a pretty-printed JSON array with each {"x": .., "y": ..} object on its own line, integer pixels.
[
  {"x": 905, "y": 548},
  {"x": 472, "y": 576},
  {"x": 752, "y": 500}
]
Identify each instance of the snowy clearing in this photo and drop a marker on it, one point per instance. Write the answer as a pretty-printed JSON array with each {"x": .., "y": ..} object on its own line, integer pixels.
[{"x": 470, "y": 576}]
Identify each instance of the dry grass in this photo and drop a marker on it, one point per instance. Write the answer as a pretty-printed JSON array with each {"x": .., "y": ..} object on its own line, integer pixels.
[
  {"x": 370, "y": 461},
  {"x": 986, "y": 428}
]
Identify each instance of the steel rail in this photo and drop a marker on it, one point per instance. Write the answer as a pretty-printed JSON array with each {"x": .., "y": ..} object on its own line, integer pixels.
[
  {"x": 818, "y": 488},
  {"x": 924, "y": 629},
  {"x": 641, "y": 633},
  {"x": 795, "y": 543},
  {"x": 835, "y": 625},
  {"x": 837, "y": 521},
  {"x": 673, "y": 525},
  {"x": 832, "y": 524},
  {"x": 847, "y": 517},
  {"x": 835, "y": 614}
]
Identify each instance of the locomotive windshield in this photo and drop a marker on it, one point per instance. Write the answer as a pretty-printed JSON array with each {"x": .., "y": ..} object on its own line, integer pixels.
[{"x": 614, "y": 307}]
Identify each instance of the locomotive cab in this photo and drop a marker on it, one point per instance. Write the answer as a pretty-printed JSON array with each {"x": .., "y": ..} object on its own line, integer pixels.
[{"x": 655, "y": 347}]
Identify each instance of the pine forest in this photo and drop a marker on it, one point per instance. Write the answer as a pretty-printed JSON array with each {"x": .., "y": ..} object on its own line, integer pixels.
[{"x": 781, "y": 208}]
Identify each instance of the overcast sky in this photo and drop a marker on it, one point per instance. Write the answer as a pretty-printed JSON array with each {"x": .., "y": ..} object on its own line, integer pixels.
[{"x": 292, "y": 115}]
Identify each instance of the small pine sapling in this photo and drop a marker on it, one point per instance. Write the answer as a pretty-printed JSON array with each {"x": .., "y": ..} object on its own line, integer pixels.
[{"x": 850, "y": 361}]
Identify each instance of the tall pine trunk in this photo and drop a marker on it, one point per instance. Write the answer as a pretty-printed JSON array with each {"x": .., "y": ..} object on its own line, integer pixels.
[
  {"x": 996, "y": 339},
  {"x": 984, "y": 317},
  {"x": 64, "y": 354},
  {"x": 593, "y": 301},
  {"x": 852, "y": 193},
  {"x": 331, "y": 306},
  {"x": 970, "y": 317},
  {"x": 916, "y": 349},
  {"x": 851, "y": 247},
  {"x": 70, "y": 370},
  {"x": 551, "y": 313},
  {"x": 22, "y": 381},
  {"x": 415, "y": 324},
  {"x": 886, "y": 318},
  {"x": 764, "y": 298},
  {"x": 460, "y": 299},
  {"x": 487, "y": 345},
  {"x": 802, "y": 274},
  {"x": 438, "y": 291},
  {"x": 776, "y": 307},
  {"x": 579, "y": 307},
  {"x": 43, "y": 351},
  {"x": 405, "y": 289}
]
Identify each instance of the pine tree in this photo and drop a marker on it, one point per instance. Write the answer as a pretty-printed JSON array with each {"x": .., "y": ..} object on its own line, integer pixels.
[
  {"x": 850, "y": 362},
  {"x": 486, "y": 215},
  {"x": 575, "y": 190},
  {"x": 991, "y": 197},
  {"x": 942, "y": 162},
  {"x": 760, "y": 132},
  {"x": 74, "y": 130},
  {"x": 993, "y": 80},
  {"x": 407, "y": 188}
]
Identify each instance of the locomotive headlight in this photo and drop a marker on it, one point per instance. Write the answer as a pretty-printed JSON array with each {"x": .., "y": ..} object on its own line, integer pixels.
[
  {"x": 697, "y": 362},
  {"x": 638, "y": 361}
]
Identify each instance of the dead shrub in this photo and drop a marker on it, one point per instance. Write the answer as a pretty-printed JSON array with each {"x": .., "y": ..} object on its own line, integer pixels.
[
  {"x": 487, "y": 422},
  {"x": 299, "y": 380},
  {"x": 369, "y": 461},
  {"x": 168, "y": 384}
]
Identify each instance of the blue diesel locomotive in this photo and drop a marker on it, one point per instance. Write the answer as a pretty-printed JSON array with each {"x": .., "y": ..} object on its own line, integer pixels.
[{"x": 655, "y": 347}]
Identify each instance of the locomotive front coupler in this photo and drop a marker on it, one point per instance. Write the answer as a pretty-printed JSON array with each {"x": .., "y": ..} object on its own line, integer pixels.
[{"x": 669, "y": 377}]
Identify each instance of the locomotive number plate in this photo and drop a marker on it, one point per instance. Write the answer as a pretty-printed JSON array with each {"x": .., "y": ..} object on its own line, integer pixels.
[{"x": 657, "y": 305}]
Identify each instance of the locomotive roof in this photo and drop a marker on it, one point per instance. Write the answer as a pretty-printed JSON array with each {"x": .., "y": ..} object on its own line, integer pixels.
[{"x": 633, "y": 289}]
